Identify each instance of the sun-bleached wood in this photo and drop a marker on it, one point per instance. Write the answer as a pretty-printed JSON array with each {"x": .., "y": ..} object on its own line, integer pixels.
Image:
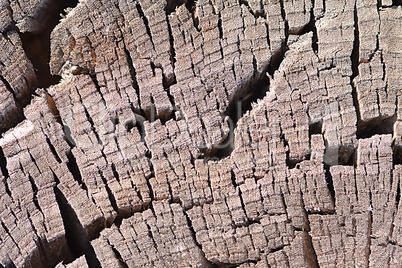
[{"x": 147, "y": 152}]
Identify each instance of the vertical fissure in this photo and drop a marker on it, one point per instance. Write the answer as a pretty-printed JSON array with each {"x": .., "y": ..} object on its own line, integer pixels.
[
  {"x": 283, "y": 14},
  {"x": 311, "y": 27},
  {"x": 89, "y": 119},
  {"x": 8, "y": 87},
  {"x": 193, "y": 235},
  {"x": 330, "y": 184},
  {"x": 172, "y": 53},
  {"x": 145, "y": 20},
  {"x": 355, "y": 65},
  {"x": 98, "y": 89},
  {"x": 118, "y": 256},
  {"x": 3, "y": 164},
  {"x": 76, "y": 236},
  {"x": 35, "y": 192},
  {"x": 112, "y": 199},
  {"x": 75, "y": 171},
  {"x": 53, "y": 150},
  {"x": 398, "y": 194},
  {"x": 133, "y": 75},
  {"x": 309, "y": 250}
]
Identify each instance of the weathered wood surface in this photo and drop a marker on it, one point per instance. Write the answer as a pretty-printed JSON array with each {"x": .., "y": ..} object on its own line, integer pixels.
[{"x": 147, "y": 152}]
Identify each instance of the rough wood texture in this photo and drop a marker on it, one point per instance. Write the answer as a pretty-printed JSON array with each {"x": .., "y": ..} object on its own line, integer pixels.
[
  {"x": 17, "y": 79},
  {"x": 27, "y": 16},
  {"x": 207, "y": 134}
]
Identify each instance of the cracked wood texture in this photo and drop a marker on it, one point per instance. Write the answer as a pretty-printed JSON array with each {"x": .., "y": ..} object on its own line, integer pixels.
[{"x": 214, "y": 133}]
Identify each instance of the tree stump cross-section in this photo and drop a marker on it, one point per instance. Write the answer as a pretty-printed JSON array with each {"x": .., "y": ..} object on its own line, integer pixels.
[{"x": 215, "y": 133}]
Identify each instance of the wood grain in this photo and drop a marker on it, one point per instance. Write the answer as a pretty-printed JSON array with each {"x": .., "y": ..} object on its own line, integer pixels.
[{"x": 206, "y": 134}]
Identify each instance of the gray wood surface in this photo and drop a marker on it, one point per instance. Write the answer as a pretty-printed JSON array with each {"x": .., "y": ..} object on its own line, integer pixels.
[{"x": 203, "y": 134}]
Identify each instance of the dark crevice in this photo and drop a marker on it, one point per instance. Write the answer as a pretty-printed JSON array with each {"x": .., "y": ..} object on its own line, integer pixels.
[
  {"x": 255, "y": 13},
  {"x": 13, "y": 117},
  {"x": 68, "y": 137},
  {"x": 315, "y": 128},
  {"x": 90, "y": 120},
  {"x": 129, "y": 125},
  {"x": 396, "y": 154},
  {"x": 145, "y": 20},
  {"x": 370, "y": 230},
  {"x": 115, "y": 173},
  {"x": 242, "y": 103},
  {"x": 140, "y": 126},
  {"x": 398, "y": 194},
  {"x": 3, "y": 164},
  {"x": 53, "y": 150},
  {"x": 378, "y": 125},
  {"x": 222, "y": 150},
  {"x": 12, "y": 239},
  {"x": 10, "y": 26},
  {"x": 75, "y": 171},
  {"x": 118, "y": 220},
  {"x": 37, "y": 49},
  {"x": 171, "y": 5},
  {"x": 290, "y": 161},
  {"x": 339, "y": 155},
  {"x": 76, "y": 236},
  {"x": 220, "y": 32},
  {"x": 112, "y": 199},
  {"x": 4, "y": 171},
  {"x": 35, "y": 192},
  {"x": 133, "y": 75},
  {"x": 50, "y": 103},
  {"x": 396, "y": 2},
  {"x": 277, "y": 59},
  {"x": 321, "y": 212},
  {"x": 311, "y": 27},
  {"x": 167, "y": 83},
  {"x": 311, "y": 256},
  {"x": 283, "y": 14},
  {"x": 37, "y": 45},
  {"x": 286, "y": 146},
  {"x": 323, "y": 6},
  {"x": 207, "y": 263},
  {"x": 151, "y": 167},
  {"x": 189, "y": 4},
  {"x": 330, "y": 184},
  {"x": 98, "y": 89},
  {"x": 277, "y": 249},
  {"x": 347, "y": 155},
  {"x": 253, "y": 263},
  {"x": 8, "y": 87},
  {"x": 191, "y": 7},
  {"x": 355, "y": 67},
  {"x": 294, "y": 162},
  {"x": 118, "y": 256},
  {"x": 172, "y": 53}
]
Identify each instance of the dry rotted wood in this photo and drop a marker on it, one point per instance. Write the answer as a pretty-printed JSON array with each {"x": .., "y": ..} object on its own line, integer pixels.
[{"x": 251, "y": 134}]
